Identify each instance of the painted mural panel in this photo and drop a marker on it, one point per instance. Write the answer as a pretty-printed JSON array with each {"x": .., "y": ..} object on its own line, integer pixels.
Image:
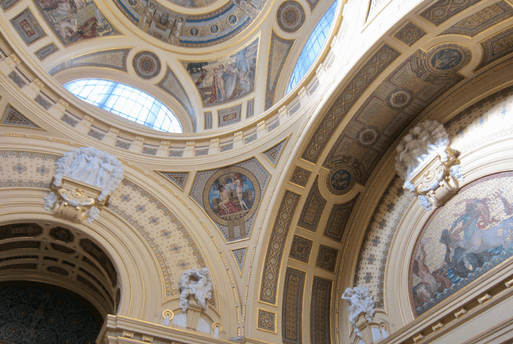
[
  {"x": 226, "y": 79},
  {"x": 231, "y": 196},
  {"x": 75, "y": 20},
  {"x": 462, "y": 241}
]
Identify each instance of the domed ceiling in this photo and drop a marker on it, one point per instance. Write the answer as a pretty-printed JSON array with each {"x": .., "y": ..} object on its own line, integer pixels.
[
  {"x": 207, "y": 60},
  {"x": 174, "y": 22}
]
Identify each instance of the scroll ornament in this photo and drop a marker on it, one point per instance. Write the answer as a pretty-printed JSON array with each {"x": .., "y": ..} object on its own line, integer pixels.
[
  {"x": 85, "y": 177},
  {"x": 428, "y": 165}
]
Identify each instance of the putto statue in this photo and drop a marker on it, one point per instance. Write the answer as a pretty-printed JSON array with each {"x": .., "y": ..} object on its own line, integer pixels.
[
  {"x": 360, "y": 301},
  {"x": 428, "y": 165},
  {"x": 195, "y": 282},
  {"x": 84, "y": 179}
]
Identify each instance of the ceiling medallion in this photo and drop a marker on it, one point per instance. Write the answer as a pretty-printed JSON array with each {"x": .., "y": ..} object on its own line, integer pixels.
[
  {"x": 341, "y": 180},
  {"x": 146, "y": 64},
  {"x": 291, "y": 16},
  {"x": 231, "y": 196},
  {"x": 399, "y": 98},
  {"x": 367, "y": 136},
  {"x": 447, "y": 57}
]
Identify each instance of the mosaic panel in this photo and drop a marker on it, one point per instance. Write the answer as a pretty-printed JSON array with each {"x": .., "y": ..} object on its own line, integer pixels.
[
  {"x": 168, "y": 238},
  {"x": 146, "y": 64},
  {"x": 468, "y": 130},
  {"x": 6, "y": 4},
  {"x": 327, "y": 258},
  {"x": 313, "y": 208},
  {"x": 193, "y": 3},
  {"x": 177, "y": 178},
  {"x": 290, "y": 16},
  {"x": 173, "y": 86},
  {"x": 112, "y": 59},
  {"x": 15, "y": 118},
  {"x": 190, "y": 30},
  {"x": 358, "y": 84},
  {"x": 462, "y": 241},
  {"x": 372, "y": 259},
  {"x": 43, "y": 102},
  {"x": 239, "y": 255},
  {"x": 339, "y": 216},
  {"x": 312, "y": 4},
  {"x": 409, "y": 34},
  {"x": 46, "y": 51},
  {"x": 27, "y": 27},
  {"x": 230, "y": 115},
  {"x": 17, "y": 79},
  {"x": 320, "y": 311},
  {"x": 400, "y": 98},
  {"x": 250, "y": 109},
  {"x": 481, "y": 20},
  {"x": 96, "y": 133},
  {"x": 300, "y": 249},
  {"x": 443, "y": 10},
  {"x": 300, "y": 176},
  {"x": 278, "y": 53},
  {"x": 88, "y": 21},
  {"x": 271, "y": 271},
  {"x": 292, "y": 310},
  {"x": 274, "y": 153},
  {"x": 231, "y": 196},
  {"x": 496, "y": 47},
  {"x": 266, "y": 321},
  {"x": 123, "y": 144},
  {"x": 227, "y": 78},
  {"x": 208, "y": 120}
]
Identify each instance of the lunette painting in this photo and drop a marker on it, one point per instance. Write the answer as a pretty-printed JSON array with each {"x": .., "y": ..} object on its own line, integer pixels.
[{"x": 462, "y": 241}]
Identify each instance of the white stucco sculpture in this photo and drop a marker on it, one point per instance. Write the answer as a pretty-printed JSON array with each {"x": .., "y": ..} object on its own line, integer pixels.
[
  {"x": 98, "y": 174},
  {"x": 91, "y": 166},
  {"x": 195, "y": 282},
  {"x": 360, "y": 301},
  {"x": 425, "y": 161}
]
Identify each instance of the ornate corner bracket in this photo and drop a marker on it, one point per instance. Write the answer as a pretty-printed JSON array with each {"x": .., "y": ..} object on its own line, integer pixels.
[
  {"x": 83, "y": 183},
  {"x": 430, "y": 168}
]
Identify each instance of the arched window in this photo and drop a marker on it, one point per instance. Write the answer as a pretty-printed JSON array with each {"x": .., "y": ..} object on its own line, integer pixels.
[
  {"x": 127, "y": 102},
  {"x": 312, "y": 47}
]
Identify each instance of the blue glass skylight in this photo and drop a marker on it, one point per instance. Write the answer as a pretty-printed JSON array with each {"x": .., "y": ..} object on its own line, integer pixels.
[
  {"x": 127, "y": 102},
  {"x": 312, "y": 47}
]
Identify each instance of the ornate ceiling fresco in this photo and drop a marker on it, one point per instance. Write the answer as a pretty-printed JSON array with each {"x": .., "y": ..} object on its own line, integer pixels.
[{"x": 288, "y": 200}]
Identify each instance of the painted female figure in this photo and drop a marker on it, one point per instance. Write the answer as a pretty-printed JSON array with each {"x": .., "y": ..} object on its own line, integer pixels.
[{"x": 238, "y": 190}]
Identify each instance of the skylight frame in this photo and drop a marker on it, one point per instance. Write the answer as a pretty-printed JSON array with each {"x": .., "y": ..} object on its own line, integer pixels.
[
  {"x": 312, "y": 47},
  {"x": 127, "y": 102}
]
